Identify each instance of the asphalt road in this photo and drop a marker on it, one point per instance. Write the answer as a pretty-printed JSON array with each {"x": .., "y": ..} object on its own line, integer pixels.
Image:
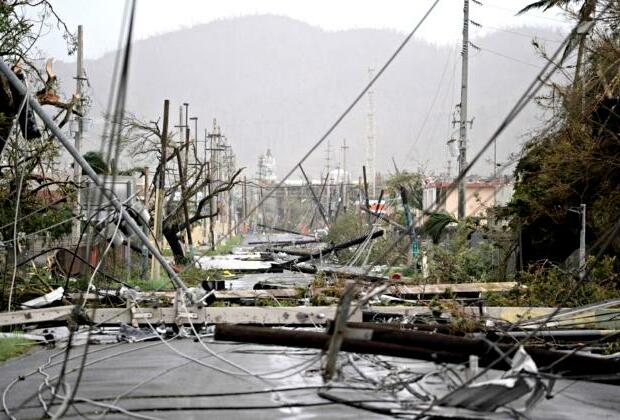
[{"x": 153, "y": 380}]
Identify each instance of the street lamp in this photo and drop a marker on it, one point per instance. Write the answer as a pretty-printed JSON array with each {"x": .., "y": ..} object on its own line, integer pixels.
[{"x": 582, "y": 240}]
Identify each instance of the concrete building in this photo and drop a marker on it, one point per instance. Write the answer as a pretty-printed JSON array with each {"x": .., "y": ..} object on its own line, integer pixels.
[{"x": 479, "y": 196}]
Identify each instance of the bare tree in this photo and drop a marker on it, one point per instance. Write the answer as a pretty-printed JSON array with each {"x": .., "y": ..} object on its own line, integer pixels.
[{"x": 143, "y": 140}]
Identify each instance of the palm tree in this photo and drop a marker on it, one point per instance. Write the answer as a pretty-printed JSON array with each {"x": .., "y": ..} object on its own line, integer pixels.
[
  {"x": 585, "y": 14},
  {"x": 436, "y": 223}
]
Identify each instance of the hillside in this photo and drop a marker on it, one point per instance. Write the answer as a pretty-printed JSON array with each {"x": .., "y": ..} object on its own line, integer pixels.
[{"x": 275, "y": 82}]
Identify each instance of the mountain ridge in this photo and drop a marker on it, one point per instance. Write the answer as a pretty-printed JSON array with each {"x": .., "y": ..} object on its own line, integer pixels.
[{"x": 272, "y": 81}]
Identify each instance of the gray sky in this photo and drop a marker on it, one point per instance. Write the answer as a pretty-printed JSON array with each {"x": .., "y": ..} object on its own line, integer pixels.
[{"x": 102, "y": 18}]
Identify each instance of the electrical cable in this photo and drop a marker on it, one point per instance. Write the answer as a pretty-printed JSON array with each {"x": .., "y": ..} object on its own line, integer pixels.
[
  {"x": 338, "y": 120},
  {"x": 517, "y": 60},
  {"x": 432, "y": 105}
]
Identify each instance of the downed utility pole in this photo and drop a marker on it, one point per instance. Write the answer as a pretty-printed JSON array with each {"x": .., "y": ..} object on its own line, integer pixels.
[
  {"x": 433, "y": 347},
  {"x": 330, "y": 250},
  {"x": 278, "y": 229},
  {"x": 110, "y": 195}
]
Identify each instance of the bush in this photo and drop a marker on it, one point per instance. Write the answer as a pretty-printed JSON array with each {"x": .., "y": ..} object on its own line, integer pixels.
[{"x": 549, "y": 285}]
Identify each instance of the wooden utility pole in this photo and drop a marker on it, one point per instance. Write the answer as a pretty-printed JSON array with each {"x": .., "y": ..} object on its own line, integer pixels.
[
  {"x": 463, "y": 109},
  {"x": 160, "y": 190},
  {"x": 366, "y": 194},
  {"x": 229, "y": 170},
  {"x": 244, "y": 199},
  {"x": 182, "y": 181},
  {"x": 77, "y": 170},
  {"x": 206, "y": 188},
  {"x": 211, "y": 170},
  {"x": 186, "y": 125},
  {"x": 145, "y": 252}
]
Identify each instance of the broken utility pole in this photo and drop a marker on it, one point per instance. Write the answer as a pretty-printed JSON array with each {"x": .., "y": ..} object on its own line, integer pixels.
[{"x": 316, "y": 199}]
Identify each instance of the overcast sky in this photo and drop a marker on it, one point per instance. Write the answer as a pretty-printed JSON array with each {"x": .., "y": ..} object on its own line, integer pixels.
[{"x": 102, "y": 18}]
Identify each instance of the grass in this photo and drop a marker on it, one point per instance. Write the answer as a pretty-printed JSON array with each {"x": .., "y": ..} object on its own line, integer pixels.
[
  {"x": 148, "y": 285},
  {"x": 13, "y": 347},
  {"x": 226, "y": 247}
]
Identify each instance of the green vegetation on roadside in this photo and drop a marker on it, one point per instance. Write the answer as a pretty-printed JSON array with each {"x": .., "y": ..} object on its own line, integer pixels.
[
  {"x": 13, "y": 347},
  {"x": 226, "y": 247}
]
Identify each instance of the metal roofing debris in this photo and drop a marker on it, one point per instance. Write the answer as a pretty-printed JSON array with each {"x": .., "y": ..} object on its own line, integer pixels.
[{"x": 51, "y": 297}]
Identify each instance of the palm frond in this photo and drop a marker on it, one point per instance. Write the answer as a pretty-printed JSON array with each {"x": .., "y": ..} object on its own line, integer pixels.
[
  {"x": 543, "y": 4},
  {"x": 436, "y": 224}
]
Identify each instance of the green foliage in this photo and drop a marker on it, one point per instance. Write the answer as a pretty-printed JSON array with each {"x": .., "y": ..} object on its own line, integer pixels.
[
  {"x": 97, "y": 162},
  {"x": 551, "y": 286},
  {"x": 35, "y": 221},
  {"x": 226, "y": 247},
  {"x": 436, "y": 224},
  {"x": 148, "y": 285},
  {"x": 13, "y": 347},
  {"x": 353, "y": 225},
  {"x": 455, "y": 261},
  {"x": 412, "y": 182},
  {"x": 575, "y": 159}
]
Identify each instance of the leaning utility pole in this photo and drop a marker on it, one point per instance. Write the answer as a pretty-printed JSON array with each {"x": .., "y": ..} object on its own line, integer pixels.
[
  {"x": 160, "y": 190},
  {"x": 463, "y": 108},
  {"x": 77, "y": 170}
]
